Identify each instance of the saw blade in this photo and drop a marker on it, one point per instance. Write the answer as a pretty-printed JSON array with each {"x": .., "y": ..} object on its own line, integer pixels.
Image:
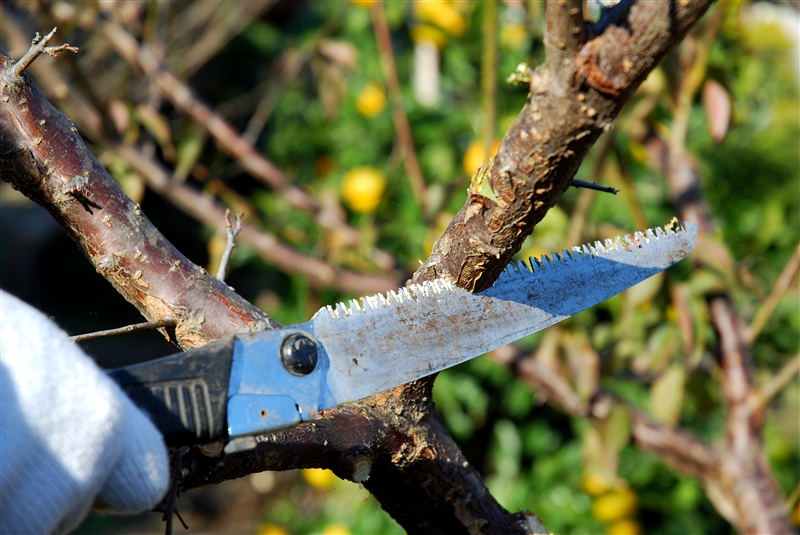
[{"x": 386, "y": 340}]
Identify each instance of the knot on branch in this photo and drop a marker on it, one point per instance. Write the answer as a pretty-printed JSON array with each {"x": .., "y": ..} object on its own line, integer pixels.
[{"x": 606, "y": 65}]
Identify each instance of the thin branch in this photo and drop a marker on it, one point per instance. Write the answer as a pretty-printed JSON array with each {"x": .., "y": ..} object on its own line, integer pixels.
[
  {"x": 778, "y": 291},
  {"x": 776, "y": 383},
  {"x": 401, "y": 125},
  {"x": 228, "y": 139},
  {"x": 228, "y": 20},
  {"x": 744, "y": 489},
  {"x": 205, "y": 209},
  {"x": 680, "y": 448},
  {"x": 83, "y": 111},
  {"x": 39, "y": 47},
  {"x": 592, "y": 186},
  {"x": 489, "y": 76},
  {"x": 225, "y": 135},
  {"x": 287, "y": 67},
  {"x": 629, "y": 189},
  {"x": 232, "y": 229},
  {"x": 145, "y": 326},
  {"x": 580, "y": 213}
]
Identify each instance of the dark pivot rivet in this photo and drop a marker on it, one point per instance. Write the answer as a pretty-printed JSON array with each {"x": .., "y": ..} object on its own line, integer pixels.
[{"x": 299, "y": 354}]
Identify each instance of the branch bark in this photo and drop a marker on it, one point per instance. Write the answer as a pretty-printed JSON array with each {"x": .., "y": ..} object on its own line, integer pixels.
[
  {"x": 574, "y": 98},
  {"x": 43, "y": 156}
]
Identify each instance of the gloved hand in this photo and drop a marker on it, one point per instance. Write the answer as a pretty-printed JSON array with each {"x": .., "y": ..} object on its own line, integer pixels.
[{"x": 68, "y": 434}]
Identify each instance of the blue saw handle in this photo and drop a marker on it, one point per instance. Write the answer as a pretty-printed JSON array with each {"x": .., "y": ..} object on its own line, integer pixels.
[{"x": 186, "y": 394}]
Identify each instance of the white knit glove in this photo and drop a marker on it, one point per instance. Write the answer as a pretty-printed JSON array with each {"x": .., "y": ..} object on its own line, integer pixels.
[{"x": 68, "y": 434}]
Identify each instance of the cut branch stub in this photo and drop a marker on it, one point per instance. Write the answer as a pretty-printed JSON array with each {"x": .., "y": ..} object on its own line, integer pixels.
[{"x": 43, "y": 156}]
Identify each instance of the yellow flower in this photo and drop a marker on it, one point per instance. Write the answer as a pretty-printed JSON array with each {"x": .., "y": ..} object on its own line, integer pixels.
[
  {"x": 626, "y": 526},
  {"x": 371, "y": 101},
  {"x": 513, "y": 36},
  {"x": 271, "y": 529},
  {"x": 336, "y": 529},
  {"x": 319, "y": 478},
  {"x": 423, "y": 33},
  {"x": 363, "y": 188},
  {"x": 364, "y": 3},
  {"x": 594, "y": 484},
  {"x": 476, "y": 156},
  {"x": 615, "y": 505},
  {"x": 441, "y": 13}
]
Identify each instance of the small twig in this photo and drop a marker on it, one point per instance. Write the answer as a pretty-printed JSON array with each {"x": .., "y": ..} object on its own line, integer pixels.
[
  {"x": 167, "y": 506},
  {"x": 146, "y": 326},
  {"x": 776, "y": 383},
  {"x": 768, "y": 306},
  {"x": 591, "y": 185},
  {"x": 232, "y": 228},
  {"x": 38, "y": 47},
  {"x": 399, "y": 116}
]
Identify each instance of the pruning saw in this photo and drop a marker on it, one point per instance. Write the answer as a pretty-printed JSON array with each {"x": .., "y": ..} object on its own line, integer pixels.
[{"x": 248, "y": 384}]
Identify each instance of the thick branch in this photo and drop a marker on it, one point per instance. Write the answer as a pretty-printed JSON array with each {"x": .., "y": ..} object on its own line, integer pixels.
[
  {"x": 566, "y": 33},
  {"x": 402, "y": 440},
  {"x": 42, "y": 155},
  {"x": 746, "y": 474},
  {"x": 542, "y": 151},
  {"x": 407, "y": 444}
]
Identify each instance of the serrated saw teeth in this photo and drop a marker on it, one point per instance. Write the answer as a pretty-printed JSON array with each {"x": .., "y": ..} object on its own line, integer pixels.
[{"x": 520, "y": 268}]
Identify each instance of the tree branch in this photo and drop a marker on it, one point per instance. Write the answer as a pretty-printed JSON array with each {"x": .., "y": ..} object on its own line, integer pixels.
[
  {"x": 777, "y": 382},
  {"x": 401, "y": 126},
  {"x": 565, "y": 35},
  {"x": 743, "y": 489},
  {"x": 232, "y": 229},
  {"x": 38, "y": 47},
  {"x": 146, "y": 326},
  {"x": 776, "y": 293},
  {"x": 541, "y": 152},
  {"x": 42, "y": 155}
]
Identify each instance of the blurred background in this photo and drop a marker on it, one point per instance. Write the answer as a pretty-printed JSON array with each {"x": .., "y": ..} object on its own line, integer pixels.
[{"x": 379, "y": 114}]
